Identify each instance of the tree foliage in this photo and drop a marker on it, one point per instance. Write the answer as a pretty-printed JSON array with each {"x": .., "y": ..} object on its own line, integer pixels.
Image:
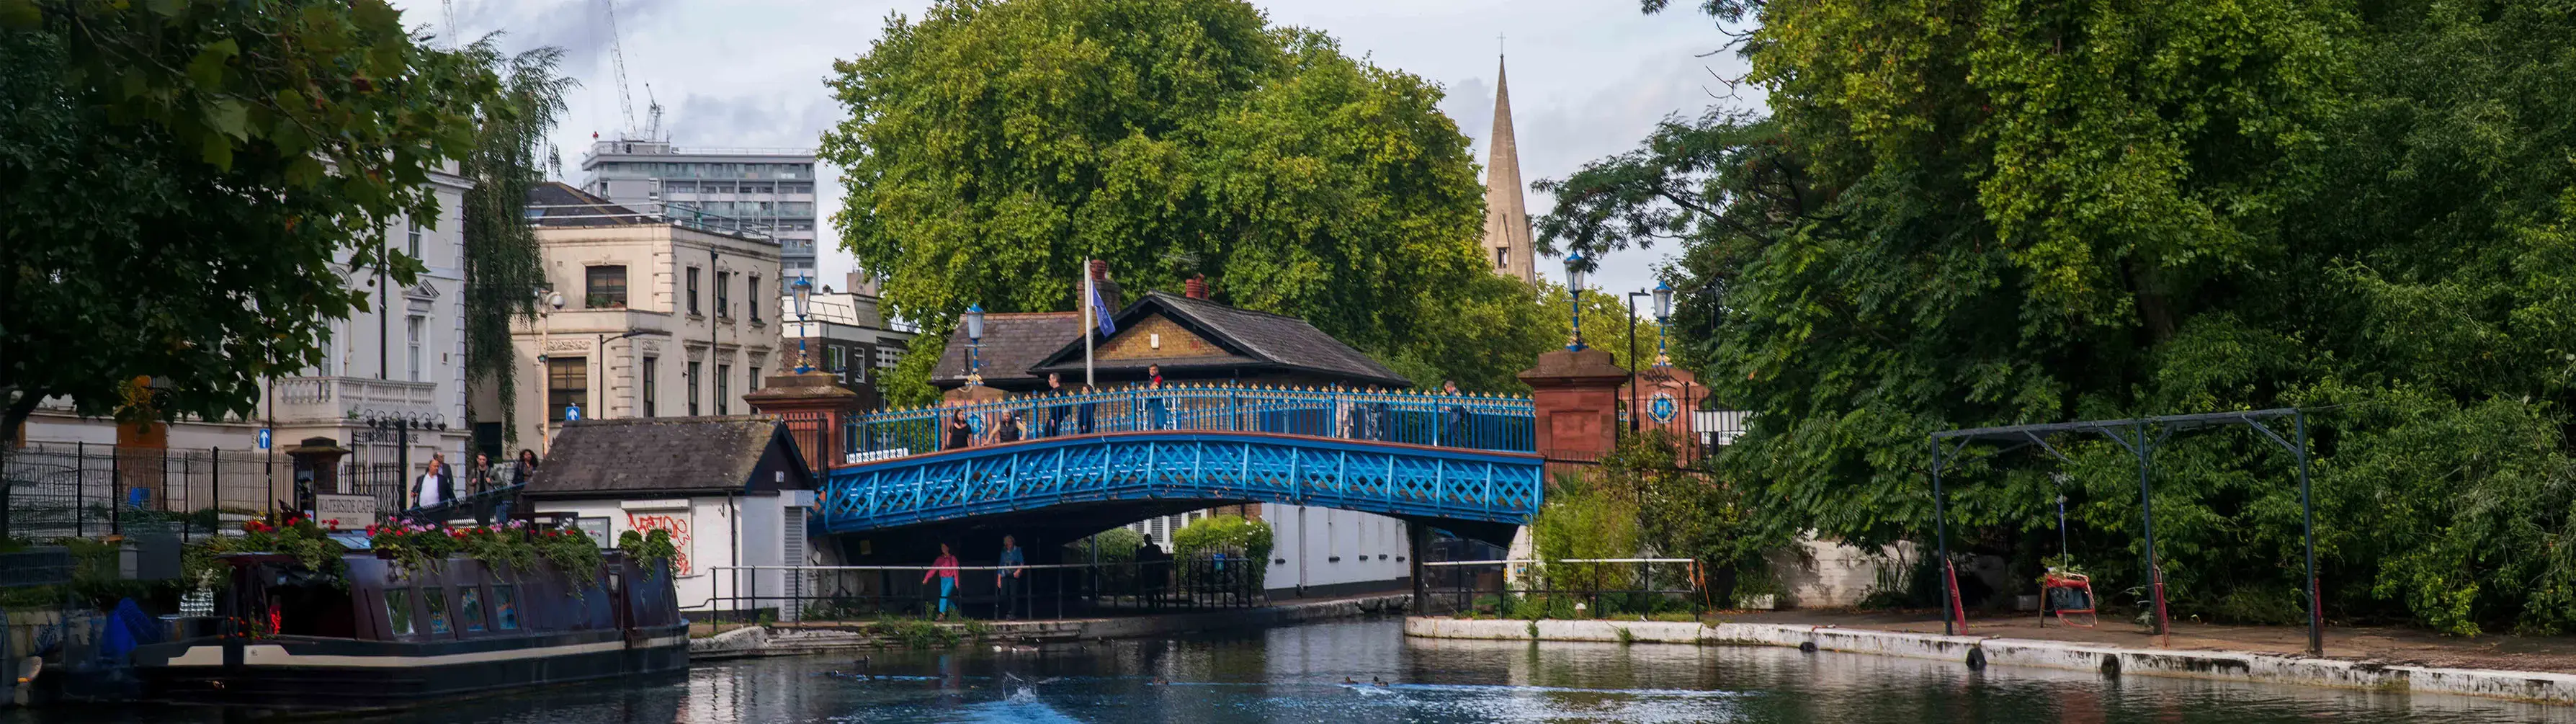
[
  {"x": 510, "y": 156},
  {"x": 183, "y": 181},
  {"x": 1977, "y": 212},
  {"x": 993, "y": 146}
]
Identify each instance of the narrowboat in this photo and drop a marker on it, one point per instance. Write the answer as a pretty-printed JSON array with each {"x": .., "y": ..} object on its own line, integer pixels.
[{"x": 379, "y": 636}]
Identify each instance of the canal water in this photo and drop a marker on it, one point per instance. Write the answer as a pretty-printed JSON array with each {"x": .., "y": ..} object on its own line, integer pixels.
[{"x": 1297, "y": 675}]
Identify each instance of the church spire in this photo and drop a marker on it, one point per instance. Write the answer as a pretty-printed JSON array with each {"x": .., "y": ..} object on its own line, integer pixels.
[{"x": 1507, "y": 228}]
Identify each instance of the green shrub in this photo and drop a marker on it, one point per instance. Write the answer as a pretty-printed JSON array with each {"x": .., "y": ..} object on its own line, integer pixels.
[{"x": 1230, "y": 534}]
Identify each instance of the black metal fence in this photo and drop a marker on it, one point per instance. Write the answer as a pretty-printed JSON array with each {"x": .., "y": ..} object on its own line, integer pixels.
[
  {"x": 50, "y": 491},
  {"x": 1571, "y": 588},
  {"x": 848, "y": 593}
]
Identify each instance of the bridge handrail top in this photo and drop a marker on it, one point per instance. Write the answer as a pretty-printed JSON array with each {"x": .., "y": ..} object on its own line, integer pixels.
[
  {"x": 1069, "y": 439},
  {"x": 1032, "y": 566},
  {"x": 1560, "y": 560}
]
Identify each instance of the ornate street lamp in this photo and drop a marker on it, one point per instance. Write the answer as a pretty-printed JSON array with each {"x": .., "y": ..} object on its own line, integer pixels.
[
  {"x": 974, "y": 344},
  {"x": 1574, "y": 286},
  {"x": 1663, "y": 317},
  {"x": 804, "y": 289}
]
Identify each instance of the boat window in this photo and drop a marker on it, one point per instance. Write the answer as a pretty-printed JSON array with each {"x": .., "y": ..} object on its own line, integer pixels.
[
  {"x": 436, "y": 598},
  {"x": 505, "y": 608},
  {"x": 469, "y": 607},
  {"x": 398, "y": 610}
]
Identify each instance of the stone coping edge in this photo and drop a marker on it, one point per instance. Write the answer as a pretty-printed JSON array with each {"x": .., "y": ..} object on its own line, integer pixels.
[{"x": 1980, "y": 651}]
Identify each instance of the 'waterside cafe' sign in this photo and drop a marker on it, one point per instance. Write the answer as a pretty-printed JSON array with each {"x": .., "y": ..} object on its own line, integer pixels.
[{"x": 353, "y": 512}]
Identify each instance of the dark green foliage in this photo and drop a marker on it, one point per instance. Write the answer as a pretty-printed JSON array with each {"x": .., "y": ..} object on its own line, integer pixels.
[
  {"x": 182, "y": 182},
  {"x": 992, "y": 146},
  {"x": 2004, "y": 212}
]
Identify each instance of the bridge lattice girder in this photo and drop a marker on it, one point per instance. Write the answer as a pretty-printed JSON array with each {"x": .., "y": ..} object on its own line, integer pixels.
[{"x": 1410, "y": 481}]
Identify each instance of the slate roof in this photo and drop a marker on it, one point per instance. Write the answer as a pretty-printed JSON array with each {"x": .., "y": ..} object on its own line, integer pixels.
[
  {"x": 668, "y": 455},
  {"x": 596, "y": 212},
  {"x": 1013, "y": 343},
  {"x": 1257, "y": 339}
]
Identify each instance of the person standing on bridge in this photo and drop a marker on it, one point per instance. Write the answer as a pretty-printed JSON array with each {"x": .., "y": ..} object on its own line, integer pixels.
[
  {"x": 959, "y": 432},
  {"x": 1008, "y": 430},
  {"x": 1160, "y": 416},
  {"x": 1056, "y": 411},
  {"x": 1008, "y": 580},
  {"x": 945, "y": 569},
  {"x": 1453, "y": 418}
]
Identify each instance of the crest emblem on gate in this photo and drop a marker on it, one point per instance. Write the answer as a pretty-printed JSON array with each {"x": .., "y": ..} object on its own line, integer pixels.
[{"x": 1662, "y": 407}]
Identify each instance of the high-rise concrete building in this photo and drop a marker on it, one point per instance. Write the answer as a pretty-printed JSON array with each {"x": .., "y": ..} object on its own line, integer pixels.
[
  {"x": 769, "y": 189},
  {"x": 1507, "y": 226}
]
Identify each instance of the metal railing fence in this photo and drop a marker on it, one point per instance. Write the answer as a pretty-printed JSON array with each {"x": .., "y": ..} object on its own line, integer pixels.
[
  {"x": 51, "y": 490},
  {"x": 1480, "y": 422},
  {"x": 1567, "y": 588},
  {"x": 742, "y": 594}
]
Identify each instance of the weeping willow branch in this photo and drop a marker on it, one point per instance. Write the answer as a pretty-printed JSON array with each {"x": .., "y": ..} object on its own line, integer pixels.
[{"x": 501, "y": 260}]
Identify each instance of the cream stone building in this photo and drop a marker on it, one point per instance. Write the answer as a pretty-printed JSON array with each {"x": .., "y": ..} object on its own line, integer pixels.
[{"x": 655, "y": 312}]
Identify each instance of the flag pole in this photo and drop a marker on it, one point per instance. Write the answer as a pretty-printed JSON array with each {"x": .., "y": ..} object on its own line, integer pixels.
[{"x": 1090, "y": 290}]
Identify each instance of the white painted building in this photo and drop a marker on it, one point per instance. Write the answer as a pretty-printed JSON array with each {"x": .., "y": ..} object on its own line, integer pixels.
[
  {"x": 648, "y": 316},
  {"x": 1316, "y": 551},
  {"x": 731, "y": 491}
]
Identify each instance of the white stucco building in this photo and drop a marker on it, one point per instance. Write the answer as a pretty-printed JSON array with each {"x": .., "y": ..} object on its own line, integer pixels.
[
  {"x": 649, "y": 316},
  {"x": 731, "y": 492}
]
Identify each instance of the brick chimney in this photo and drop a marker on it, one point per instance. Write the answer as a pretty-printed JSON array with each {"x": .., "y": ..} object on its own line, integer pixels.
[
  {"x": 1110, "y": 298},
  {"x": 1196, "y": 287}
]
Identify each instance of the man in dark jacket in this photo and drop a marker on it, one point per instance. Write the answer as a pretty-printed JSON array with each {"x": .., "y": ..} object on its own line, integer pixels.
[{"x": 436, "y": 486}]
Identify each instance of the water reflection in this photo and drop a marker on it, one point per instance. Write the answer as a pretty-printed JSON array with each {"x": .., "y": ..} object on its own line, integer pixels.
[{"x": 1298, "y": 675}]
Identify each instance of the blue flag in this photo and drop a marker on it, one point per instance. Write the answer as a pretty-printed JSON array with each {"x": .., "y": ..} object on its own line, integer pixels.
[{"x": 1106, "y": 327}]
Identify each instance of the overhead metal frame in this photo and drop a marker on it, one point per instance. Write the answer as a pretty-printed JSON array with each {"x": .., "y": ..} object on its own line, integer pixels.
[{"x": 2131, "y": 434}]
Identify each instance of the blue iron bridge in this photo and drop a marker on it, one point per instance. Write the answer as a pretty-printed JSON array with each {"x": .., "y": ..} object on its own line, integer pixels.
[{"x": 1102, "y": 459}]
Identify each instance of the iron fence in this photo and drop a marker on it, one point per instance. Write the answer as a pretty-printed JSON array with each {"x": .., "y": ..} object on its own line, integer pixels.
[
  {"x": 846, "y": 593},
  {"x": 1567, "y": 588},
  {"x": 50, "y": 491},
  {"x": 1481, "y": 422}
]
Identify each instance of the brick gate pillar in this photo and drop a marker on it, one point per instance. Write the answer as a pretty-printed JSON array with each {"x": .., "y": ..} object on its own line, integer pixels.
[
  {"x": 813, "y": 404},
  {"x": 1576, "y": 396}
]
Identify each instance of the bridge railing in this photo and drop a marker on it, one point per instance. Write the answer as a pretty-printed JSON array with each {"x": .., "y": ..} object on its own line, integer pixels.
[
  {"x": 1470, "y": 421},
  {"x": 1043, "y": 590}
]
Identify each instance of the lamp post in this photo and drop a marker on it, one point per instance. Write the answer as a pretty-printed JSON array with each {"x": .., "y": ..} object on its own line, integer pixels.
[
  {"x": 1574, "y": 290},
  {"x": 804, "y": 289},
  {"x": 1634, "y": 412},
  {"x": 601, "y": 405},
  {"x": 548, "y": 302},
  {"x": 974, "y": 345},
  {"x": 1663, "y": 318}
]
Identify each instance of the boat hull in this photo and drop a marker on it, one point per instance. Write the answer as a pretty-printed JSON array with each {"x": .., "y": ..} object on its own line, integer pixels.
[{"x": 323, "y": 673}]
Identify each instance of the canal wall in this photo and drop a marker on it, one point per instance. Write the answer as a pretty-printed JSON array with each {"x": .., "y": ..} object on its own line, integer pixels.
[{"x": 1980, "y": 651}]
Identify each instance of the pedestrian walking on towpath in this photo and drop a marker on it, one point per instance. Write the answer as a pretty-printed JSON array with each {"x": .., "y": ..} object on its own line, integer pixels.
[
  {"x": 1009, "y": 579},
  {"x": 943, "y": 568}
]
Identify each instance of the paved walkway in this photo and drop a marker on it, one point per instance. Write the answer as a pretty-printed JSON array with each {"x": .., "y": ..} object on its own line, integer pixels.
[{"x": 2383, "y": 644}]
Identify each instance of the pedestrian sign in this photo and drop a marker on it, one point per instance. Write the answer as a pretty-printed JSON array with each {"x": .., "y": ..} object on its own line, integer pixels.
[
  {"x": 572, "y": 413},
  {"x": 263, "y": 438}
]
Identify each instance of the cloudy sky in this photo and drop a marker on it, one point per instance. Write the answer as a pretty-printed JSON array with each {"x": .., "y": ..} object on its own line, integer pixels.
[{"x": 1588, "y": 78}]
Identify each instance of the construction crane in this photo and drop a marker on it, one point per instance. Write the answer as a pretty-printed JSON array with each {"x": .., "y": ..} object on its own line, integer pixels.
[{"x": 617, "y": 57}]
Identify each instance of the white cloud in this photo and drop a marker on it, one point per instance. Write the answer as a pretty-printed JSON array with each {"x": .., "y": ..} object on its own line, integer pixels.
[{"x": 1587, "y": 79}]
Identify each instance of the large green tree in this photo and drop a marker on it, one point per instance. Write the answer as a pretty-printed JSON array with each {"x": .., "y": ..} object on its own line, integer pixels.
[
  {"x": 1977, "y": 212},
  {"x": 179, "y": 180},
  {"x": 993, "y": 146}
]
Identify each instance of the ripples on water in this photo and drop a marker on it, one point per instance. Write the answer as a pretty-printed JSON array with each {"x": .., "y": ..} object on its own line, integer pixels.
[{"x": 1295, "y": 675}]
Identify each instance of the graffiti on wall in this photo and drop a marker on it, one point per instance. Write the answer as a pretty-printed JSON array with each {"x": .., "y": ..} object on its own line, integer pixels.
[{"x": 676, "y": 524}]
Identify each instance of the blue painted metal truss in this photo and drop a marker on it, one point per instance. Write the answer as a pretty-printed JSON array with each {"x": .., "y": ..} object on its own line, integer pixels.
[{"x": 1373, "y": 477}]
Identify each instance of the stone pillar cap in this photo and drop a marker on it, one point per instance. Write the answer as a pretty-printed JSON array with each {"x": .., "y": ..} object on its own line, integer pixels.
[{"x": 1575, "y": 368}]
